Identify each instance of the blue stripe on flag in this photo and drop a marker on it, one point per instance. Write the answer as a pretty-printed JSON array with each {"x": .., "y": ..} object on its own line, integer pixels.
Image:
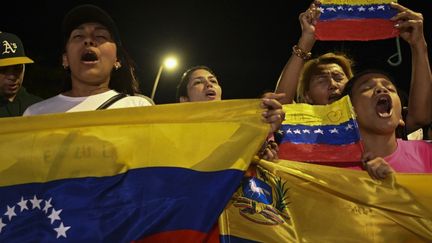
[
  {"x": 373, "y": 11},
  {"x": 118, "y": 208},
  {"x": 344, "y": 133}
]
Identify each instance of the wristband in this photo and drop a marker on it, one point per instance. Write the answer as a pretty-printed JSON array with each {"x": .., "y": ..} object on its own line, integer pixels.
[{"x": 296, "y": 50}]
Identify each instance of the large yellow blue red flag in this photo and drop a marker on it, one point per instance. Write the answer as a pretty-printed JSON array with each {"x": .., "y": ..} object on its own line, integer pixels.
[
  {"x": 146, "y": 174},
  {"x": 321, "y": 133},
  {"x": 302, "y": 202},
  {"x": 361, "y": 20}
]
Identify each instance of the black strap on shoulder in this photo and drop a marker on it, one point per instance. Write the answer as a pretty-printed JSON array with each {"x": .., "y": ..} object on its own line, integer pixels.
[{"x": 111, "y": 101}]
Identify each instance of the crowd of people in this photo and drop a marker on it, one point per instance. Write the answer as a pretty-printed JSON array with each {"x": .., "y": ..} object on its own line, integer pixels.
[{"x": 100, "y": 75}]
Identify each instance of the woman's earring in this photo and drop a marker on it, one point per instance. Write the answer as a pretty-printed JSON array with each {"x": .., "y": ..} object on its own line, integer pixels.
[
  {"x": 65, "y": 67},
  {"x": 117, "y": 65}
]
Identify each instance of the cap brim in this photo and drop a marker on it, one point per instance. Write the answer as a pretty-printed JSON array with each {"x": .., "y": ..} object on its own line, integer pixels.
[{"x": 14, "y": 61}]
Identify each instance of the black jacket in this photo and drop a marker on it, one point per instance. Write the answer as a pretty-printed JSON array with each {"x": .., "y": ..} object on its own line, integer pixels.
[{"x": 18, "y": 105}]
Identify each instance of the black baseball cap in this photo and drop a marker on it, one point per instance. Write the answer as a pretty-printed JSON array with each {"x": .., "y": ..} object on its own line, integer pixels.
[
  {"x": 12, "y": 50},
  {"x": 87, "y": 13}
]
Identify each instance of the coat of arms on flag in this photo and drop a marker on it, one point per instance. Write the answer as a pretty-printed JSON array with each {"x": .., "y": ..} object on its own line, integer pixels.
[
  {"x": 361, "y": 20},
  {"x": 320, "y": 133}
]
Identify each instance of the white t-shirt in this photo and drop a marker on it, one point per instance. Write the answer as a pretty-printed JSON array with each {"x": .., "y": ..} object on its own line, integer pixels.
[{"x": 61, "y": 103}]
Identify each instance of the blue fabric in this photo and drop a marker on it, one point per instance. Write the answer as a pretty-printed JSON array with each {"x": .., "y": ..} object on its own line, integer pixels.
[
  {"x": 119, "y": 208},
  {"x": 347, "y": 133},
  {"x": 372, "y": 11}
]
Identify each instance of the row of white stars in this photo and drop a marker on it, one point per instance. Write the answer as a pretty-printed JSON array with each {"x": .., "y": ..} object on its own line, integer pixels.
[
  {"x": 36, "y": 204},
  {"x": 317, "y": 131},
  {"x": 351, "y": 9}
]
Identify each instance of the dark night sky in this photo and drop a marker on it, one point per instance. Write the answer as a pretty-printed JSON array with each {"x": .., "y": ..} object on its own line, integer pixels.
[{"x": 246, "y": 43}]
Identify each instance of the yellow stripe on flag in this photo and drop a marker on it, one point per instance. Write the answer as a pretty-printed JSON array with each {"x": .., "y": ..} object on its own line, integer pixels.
[
  {"x": 313, "y": 203},
  {"x": 203, "y": 136},
  {"x": 336, "y": 113}
]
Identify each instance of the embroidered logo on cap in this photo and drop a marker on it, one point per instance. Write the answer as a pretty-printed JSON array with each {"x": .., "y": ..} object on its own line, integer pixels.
[{"x": 9, "y": 47}]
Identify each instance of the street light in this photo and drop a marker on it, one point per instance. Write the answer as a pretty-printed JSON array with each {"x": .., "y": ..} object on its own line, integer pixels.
[{"x": 169, "y": 63}]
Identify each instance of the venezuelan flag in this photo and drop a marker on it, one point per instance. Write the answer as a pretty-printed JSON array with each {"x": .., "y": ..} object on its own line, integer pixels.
[
  {"x": 145, "y": 174},
  {"x": 356, "y": 20},
  {"x": 316, "y": 133},
  {"x": 302, "y": 202}
]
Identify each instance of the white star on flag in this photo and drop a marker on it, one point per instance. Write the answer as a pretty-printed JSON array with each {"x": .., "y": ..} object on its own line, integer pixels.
[
  {"x": 61, "y": 230},
  {"x": 372, "y": 9},
  {"x": 47, "y": 205},
  {"x": 331, "y": 9},
  {"x": 10, "y": 212},
  {"x": 306, "y": 131},
  {"x": 361, "y": 9},
  {"x": 349, "y": 127},
  {"x": 289, "y": 131},
  {"x": 23, "y": 204},
  {"x": 381, "y": 7},
  {"x": 340, "y": 8},
  {"x": 334, "y": 130},
  {"x": 321, "y": 9},
  {"x": 54, "y": 215},
  {"x": 319, "y": 131},
  {"x": 36, "y": 202},
  {"x": 1, "y": 225},
  {"x": 297, "y": 131}
]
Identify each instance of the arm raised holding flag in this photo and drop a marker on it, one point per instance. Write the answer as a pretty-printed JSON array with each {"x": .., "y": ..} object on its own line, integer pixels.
[{"x": 410, "y": 25}]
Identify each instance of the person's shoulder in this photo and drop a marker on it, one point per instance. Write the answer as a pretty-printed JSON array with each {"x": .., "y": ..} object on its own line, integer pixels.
[
  {"x": 146, "y": 98},
  {"x": 36, "y": 108},
  {"x": 133, "y": 101},
  {"x": 414, "y": 142},
  {"x": 27, "y": 97},
  {"x": 415, "y": 146}
]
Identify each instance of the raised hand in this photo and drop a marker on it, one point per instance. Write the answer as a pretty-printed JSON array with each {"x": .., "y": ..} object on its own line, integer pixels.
[{"x": 409, "y": 24}]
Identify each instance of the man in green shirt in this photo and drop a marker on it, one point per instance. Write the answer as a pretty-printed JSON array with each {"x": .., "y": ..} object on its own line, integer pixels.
[{"x": 14, "y": 99}]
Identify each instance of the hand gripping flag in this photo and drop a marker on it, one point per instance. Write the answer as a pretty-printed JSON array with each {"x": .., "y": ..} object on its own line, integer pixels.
[
  {"x": 320, "y": 133},
  {"x": 360, "y": 20},
  {"x": 300, "y": 202},
  {"x": 146, "y": 174}
]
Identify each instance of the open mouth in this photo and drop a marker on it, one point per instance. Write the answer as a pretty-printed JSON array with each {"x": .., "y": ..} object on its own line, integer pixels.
[
  {"x": 89, "y": 56},
  {"x": 211, "y": 94},
  {"x": 333, "y": 97},
  {"x": 384, "y": 106}
]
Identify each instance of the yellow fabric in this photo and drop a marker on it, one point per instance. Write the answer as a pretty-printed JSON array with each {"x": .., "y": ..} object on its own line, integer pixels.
[
  {"x": 196, "y": 136},
  {"x": 356, "y": 2},
  {"x": 334, "y": 114},
  {"x": 328, "y": 204}
]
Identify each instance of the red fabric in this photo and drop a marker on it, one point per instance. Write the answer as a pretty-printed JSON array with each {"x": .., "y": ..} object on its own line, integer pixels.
[
  {"x": 325, "y": 152},
  {"x": 355, "y": 29},
  {"x": 184, "y": 236}
]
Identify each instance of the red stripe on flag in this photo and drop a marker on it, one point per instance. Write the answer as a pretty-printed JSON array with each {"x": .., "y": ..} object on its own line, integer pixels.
[
  {"x": 356, "y": 29},
  {"x": 320, "y": 152},
  {"x": 184, "y": 236}
]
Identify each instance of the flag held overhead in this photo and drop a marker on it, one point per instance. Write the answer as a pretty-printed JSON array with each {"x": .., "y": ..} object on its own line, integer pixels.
[{"x": 358, "y": 20}]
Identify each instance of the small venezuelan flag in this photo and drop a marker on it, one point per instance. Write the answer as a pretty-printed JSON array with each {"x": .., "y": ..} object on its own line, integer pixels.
[
  {"x": 360, "y": 20},
  {"x": 320, "y": 133}
]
